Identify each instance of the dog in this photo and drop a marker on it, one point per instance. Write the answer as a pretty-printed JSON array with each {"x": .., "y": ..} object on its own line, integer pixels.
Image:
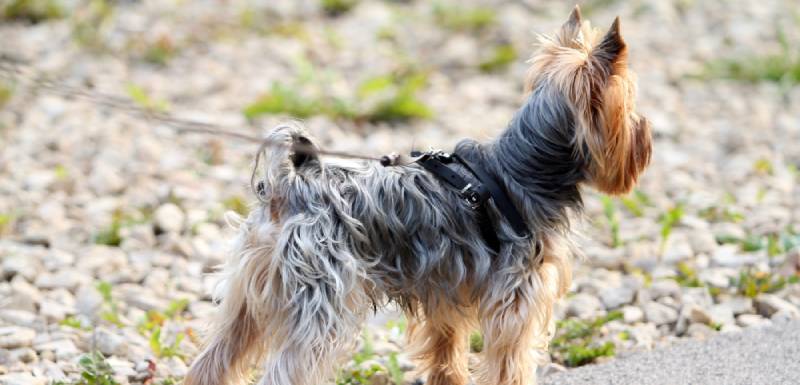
[{"x": 330, "y": 243}]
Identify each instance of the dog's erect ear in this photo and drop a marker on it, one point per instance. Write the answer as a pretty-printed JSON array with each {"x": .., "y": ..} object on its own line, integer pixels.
[
  {"x": 611, "y": 52},
  {"x": 571, "y": 30}
]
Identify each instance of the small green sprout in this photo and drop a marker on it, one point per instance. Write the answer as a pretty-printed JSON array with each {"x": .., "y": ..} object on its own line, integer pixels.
[
  {"x": 476, "y": 342},
  {"x": 669, "y": 220},
  {"x": 33, "y": 11},
  {"x": 94, "y": 371},
  {"x": 502, "y": 57},
  {"x": 460, "y": 18},
  {"x": 110, "y": 310},
  {"x": 144, "y": 100},
  {"x": 337, "y": 7},
  {"x": 609, "y": 210}
]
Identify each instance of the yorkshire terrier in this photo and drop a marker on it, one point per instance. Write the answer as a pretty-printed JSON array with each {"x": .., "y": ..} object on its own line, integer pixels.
[{"x": 329, "y": 243}]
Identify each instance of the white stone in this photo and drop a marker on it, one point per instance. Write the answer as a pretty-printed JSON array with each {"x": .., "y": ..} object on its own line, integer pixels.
[
  {"x": 665, "y": 288},
  {"x": 16, "y": 337},
  {"x": 613, "y": 298},
  {"x": 169, "y": 218},
  {"x": 18, "y": 317},
  {"x": 700, "y": 331},
  {"x": 730, "y": 256},
  {"x": 751, "y": 320},
  {"x": 21, "y": 379},
  {"x": 632, "y": 314},
  {"x": 659, "y": 314},
  {"x": 739, "y": 305},
  {"x": 110, "y": 343},
  {"x": 64, "y": 349},
  {"x": 584, "y": 306},
  {"x": 769, "y": 304}
]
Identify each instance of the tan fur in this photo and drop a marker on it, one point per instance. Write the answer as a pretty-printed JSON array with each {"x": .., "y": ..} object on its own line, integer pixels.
[
  {"x": 439, "y": 342},
  {"x": 593, "y": 73}
]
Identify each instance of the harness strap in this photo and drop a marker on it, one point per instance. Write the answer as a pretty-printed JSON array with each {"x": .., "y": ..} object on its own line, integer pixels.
[
  {"x": 476, "y": 194},
  {"x": 500, "y": 197}
]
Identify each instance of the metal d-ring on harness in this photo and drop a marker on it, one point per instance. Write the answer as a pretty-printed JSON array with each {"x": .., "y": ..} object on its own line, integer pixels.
[{"x": 476, "y": 194}]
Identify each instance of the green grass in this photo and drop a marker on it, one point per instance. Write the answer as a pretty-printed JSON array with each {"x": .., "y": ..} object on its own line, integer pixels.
[
  {"x": 6, "y": 92},
  {"x": 612, "y": 219},
  {"x": 143, "y": 99},
  {"x": 574, "y": 343},
  {"x": 502, "y": 56},
  {"x": 6, "y": 221},
  {"x": 398, "y": 98},
  {"x": 476, "y": 342},
  {"x": 751, "y": 283},
  {"x": 162, "y": 350},
  {"x": 94, "y": 371},
  {"x": 462, "y": 18},
  {"x": 89, "y": 25},
  {"x": 283, "y": 100},
  {"x": 384, "y": 98},
  {"x": 774, "y": 244},
  {"x": 590, "y": 7},
  {"x": 780, "y": 67},
  {"x": 110, "y": 236},
  {"x": 721, "y": 214},
  {"x": 359, "y": 376},
  {"x": 636, "y": 203},
  {"x": 763, "y": 166},
  {"x": 32, "y": 11},
  {"x": 110, "y": 311},
  {"x": 153, "y": 323},
  {"x": 337, "y": 7},
  {"x": 160, "y": 51},
  {"x": 687, "y": 276},
  {"x": 668, "y": 221},
  {"x": 395, "y": 372}
]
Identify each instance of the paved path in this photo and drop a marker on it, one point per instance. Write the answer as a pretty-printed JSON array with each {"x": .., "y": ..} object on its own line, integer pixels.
[{"x": 768, "y": 356}]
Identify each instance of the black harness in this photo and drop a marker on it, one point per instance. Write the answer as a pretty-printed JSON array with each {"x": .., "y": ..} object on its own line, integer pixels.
[{"x": 476, "y": 194}]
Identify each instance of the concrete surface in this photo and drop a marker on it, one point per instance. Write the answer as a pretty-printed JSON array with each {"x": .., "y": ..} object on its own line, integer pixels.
[{"x": 768, "y": 356}]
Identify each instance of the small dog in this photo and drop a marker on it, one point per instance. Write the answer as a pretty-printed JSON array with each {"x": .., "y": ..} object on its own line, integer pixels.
[{"x": 330, "y": 243}]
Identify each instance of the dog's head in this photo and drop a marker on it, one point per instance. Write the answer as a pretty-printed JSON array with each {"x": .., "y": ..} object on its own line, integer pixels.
[{"x": 591, "y": 73}]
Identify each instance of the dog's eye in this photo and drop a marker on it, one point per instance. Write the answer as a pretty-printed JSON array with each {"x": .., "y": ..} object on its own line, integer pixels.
[{"x": 261, "y": 189}]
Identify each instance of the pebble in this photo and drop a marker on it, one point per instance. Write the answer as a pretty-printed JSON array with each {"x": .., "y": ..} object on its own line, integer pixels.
[
  {"x": 169, "y": 218},
  {"x": 613, "y": 298},
  {"x": 110, "y": 343},
  {"x": 750, "y": 320},
  {"x": 768, "y": 305},
  {"x": 21, "y": 379},
  {"x": 632, "y": 314},
  {"x": 584, "y": 306},
  {"x": 659, "y": 314},
  {"x": 16, "y": 337}
]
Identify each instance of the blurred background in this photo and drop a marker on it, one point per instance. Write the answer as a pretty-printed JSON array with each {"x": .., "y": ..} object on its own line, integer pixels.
[{"x": 110, "y": 222}]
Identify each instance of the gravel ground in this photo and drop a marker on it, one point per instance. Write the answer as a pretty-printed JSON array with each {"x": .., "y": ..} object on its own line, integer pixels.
[
  {"x": 110, "y": 224},
  {"x": 756, "y": 356}
]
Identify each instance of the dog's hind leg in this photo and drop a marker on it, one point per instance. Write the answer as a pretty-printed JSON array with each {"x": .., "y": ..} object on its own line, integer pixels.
[
  {"x": 440, "y": 343},
  {"x": 225, "y": 360},
  {"x": 236, "y": 332},
  {"x": 316, "y": 302}
]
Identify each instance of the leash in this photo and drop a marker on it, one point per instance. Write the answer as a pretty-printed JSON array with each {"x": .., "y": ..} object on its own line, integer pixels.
[
  {"x": 13, "y": 68},
  {"x": 435, "y": 161}
]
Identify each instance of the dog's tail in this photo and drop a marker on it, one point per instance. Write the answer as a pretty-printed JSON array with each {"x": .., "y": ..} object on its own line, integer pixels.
[{"x": 285, "y": 149}]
